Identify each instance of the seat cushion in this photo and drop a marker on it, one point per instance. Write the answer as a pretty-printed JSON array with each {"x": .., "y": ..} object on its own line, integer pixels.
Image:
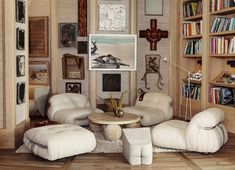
[
  {"x": 170, "y": 134},
  {"x": 58, "y": 141}
]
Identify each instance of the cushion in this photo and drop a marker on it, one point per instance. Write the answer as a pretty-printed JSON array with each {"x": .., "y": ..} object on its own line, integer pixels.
[{"x": 57, "y": 141}]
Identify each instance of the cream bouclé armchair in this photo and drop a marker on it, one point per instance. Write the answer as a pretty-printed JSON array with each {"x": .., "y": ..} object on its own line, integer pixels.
[
  {"x": 204, "y": 133},
  {"x": 152, "y": 107}
]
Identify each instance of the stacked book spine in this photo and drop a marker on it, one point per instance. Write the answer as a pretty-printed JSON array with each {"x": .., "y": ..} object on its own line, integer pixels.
[
  {"x": 192, "y": 9},
  {"x": 192, "y": 47},
  {"x": 192, "y": 28},
  {"x": 191, "y": 91},
  {"x": 221, "y": 24},
  {"x": 217, "y": 5},
  {"x": 222, "y": 45}
]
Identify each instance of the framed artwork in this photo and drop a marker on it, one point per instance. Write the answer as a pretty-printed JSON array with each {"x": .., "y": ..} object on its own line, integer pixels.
[
  {"x": 113, "y": 16},
  {"x": 20, "y": 97},
  {"x": 153, "y": 7},
  {"x": 20, "y": 65},
  {"x": 112, "y": 52},
  {"x": 67, "y": 35},
  {"x": 82, "y": 18},
  {"x": 82, "y": 47},
  {"x": 20, "y": 11},
  {"x": 20, "y": 39},
  {"x": 111, "y": 82},
  {"x": 73, "y": 87},
  {"x": 38, "y": 73}
]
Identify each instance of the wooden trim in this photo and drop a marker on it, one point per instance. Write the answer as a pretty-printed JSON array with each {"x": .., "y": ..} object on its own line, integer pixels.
[
  {"x": 82, "y": 18},
  {"x": 7, "y": 138},
  {"x": 19, "y": 132}
]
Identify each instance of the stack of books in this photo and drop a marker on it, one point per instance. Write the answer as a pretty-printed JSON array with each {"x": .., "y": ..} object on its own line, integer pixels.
[
  {"x": 191, "y": 91},
  {"x": 192, "y": 8},
  {"x": 192, "y": 28},
  {"x": 217, "y": 5},
  {"x": 193, "y": 47},
  {"x": 221, "y": 95},
  {"x": 221, "y": 24},
  {"x": 222, "y": 45}
]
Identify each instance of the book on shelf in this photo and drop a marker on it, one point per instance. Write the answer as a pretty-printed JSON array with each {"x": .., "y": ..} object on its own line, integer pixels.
[
  {"x": 191, "y": 91},
  {"x": 222, "y": 45},
  {"x": 192, "y": 47},
  {"x": 191, "y": 28},
  {"x": 192, "y": 8},
  {"x": 216, "y": 5},
  {"x": 221, "y": 24}
]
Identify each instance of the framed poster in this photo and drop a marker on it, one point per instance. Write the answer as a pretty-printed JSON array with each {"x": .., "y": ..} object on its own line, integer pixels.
[
  {"x": 71, "y": 87},
  {"x": 38, "y": 73},
  {"x": 153, "y": 7},
  {"x": 20, "y": 11},
  {"x": 20, "y": 39},
  {"x": 67, "y": 35},
  {"x": 20, "y": 65},
  {"x": 112, "y": 52}
]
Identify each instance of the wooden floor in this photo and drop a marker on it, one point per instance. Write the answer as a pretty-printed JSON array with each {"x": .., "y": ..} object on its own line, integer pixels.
[{"x": 224, "y": 159}]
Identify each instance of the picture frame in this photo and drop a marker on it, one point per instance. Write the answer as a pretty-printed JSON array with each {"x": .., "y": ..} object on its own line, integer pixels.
[
  {"x": 20, "y": 11},
  {"x": 111, "y": 82},
  {"x": 154, "y": 7},
  {"x": 38, "y": 73},
  {"x": 113, "y": 16},
  {"x": 73, "y": 87},
  {"x": 82, "y": 47},
  {"x": 152, "y": 62},
  {"x": 20, "y": 97},
  {"x": 68, "y": 35},
  {"x": 20, "y": 39},
  {"x": 20, "y": 65},
  {"x": 112, "y": 52}
]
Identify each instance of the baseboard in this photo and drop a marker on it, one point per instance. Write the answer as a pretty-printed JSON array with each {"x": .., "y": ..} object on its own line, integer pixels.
[{"x": 19, "y": 132}]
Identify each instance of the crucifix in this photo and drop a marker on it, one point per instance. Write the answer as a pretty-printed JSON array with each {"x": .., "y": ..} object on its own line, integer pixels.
[{"x": 153, "y": 35}]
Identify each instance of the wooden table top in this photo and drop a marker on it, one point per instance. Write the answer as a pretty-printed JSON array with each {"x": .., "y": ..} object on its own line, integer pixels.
[{"x": 108, "y": 118}]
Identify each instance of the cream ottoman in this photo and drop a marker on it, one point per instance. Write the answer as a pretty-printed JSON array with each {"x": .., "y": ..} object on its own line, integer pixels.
[
  {"x": 137, "y": 146},
  {"x": 59, "y": 141}
]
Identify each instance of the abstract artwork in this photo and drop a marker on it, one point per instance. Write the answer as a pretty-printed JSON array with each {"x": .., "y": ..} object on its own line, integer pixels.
[
  {"x": 82, "y": 47},
  {"x": 20, "y": 98},
  {"x": 20, "y": 11},
  {"x": 68, "y": 35},
  {"x": 20, "y": 65},
  {"x": 20, "y": 39},
  {"x": 38, "y": 73},
  {"x": 111, "y": 83}
]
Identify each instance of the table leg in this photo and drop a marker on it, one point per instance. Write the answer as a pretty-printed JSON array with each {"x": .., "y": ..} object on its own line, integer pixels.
[{"x": 112, "y": 132}]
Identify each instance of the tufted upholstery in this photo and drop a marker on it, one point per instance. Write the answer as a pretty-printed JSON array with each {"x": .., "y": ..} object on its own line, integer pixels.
[
  {"x": 204, "y": 133},
  {"x": 58, "y": 141},
  {"x": 153, "y": 109}
]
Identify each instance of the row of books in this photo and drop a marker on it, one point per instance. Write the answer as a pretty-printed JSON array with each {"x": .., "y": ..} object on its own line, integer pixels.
[
  {"x": 192, "y": 47},
  {"x": 217, "y": 5},
  {"x": 192, "y": 28},
  {"x": 192, "y": 8},
  {"x": 191, "y": 91},
  {"x": 222, "y": 95},
  {"x": 222, "y": 45},
  {"x": 221, "y": 24}
]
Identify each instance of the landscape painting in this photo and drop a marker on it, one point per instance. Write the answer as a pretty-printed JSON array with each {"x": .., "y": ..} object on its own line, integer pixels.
[{"x": 112, "y": 52}]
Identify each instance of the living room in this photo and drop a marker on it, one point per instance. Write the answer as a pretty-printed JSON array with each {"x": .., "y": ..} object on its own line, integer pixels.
[{"x": 159, "y": 68}]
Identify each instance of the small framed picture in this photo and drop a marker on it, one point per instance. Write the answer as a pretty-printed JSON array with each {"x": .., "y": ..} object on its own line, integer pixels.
[
  {"x": 20, "y": 65},
  {"x": 38, "y": 73},
  {"x": 82, "y": 47},
  {"x": 67, "y": 35},
  {"x": 20, "y": 11},
  {"x": 71, "y": 87},
  {"x": 20, "y": 98},
  {"x": 152, "y": 63},
  {"x": 154, "y": 7},
  {"x": 20, "y": 38}
]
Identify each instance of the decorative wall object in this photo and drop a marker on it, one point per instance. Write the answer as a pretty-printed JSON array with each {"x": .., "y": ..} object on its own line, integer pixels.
[
  {"x": 112, "y": 52},
  {"x": 20, "y": 65},
  {"x": 82, "y": 18},
  {"x": 111, "y": 82},
  {"x": 20, "y": 39},
  {"x": 82, "y": 47},
  {"x": 113, "y": 15},
  {"x": 73, "y": 87},
  {"x": 20, "y": 11},
  {"x": 67, "y": 35},
  {"x": 153, "y": 35},
  {"x": 153, "y": 7},
  {"x": 152, "y": 62},
  {"x": 38, "y": 73},
  {"x": 73, "y": 67},
  {"x": 38, "y": 37},
  {"x": 20, "y": 98}
]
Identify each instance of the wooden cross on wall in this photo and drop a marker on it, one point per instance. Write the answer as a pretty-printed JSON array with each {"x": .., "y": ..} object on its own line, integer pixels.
[{"x": 153, "y": 35}]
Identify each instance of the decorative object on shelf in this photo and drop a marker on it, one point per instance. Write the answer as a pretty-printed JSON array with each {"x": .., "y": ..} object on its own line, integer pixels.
[
  {"x": 72, "y": 87},
  {"x": 82, "y": 47},
  {"x": 20, "y": 65},
  {"x": 153, "y": 35},
  {"x": 225, "y": 77},
  {"x": 20, "y": 98},
  {"x": 82, "y": 18},
  {"x": 73, "y": 67},
  {"x": 38, "y": 73},
  {"x": 231, "y": 63},
  {"x": 113, "y": 16},
  {"x": 117, "y": 107},
  {"x": 152, "y": 62},
  {"x": 38, "y": 36},
  {"x": 113, "y": 52},
  {"x": 20, "y": 39},
  {"x": 111, "y": 83},
  {"x": 197, "y": 75},
  {"x": 20, "y": 11},
  {"x": 154, "y": 7},
  {"x": 68, "y": 35}
]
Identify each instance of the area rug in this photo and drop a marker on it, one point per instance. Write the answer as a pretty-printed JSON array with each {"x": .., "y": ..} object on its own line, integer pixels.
[{"x": 103, "y": 146}]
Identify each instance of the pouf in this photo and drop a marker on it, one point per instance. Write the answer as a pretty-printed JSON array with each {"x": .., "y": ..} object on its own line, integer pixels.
[
  {"x": 137, "y": 146},
  {"x": 58, "y": 141}
]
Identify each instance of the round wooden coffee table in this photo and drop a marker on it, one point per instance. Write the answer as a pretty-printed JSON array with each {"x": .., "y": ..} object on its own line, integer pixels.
[{"x": 110, "y": 125}]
